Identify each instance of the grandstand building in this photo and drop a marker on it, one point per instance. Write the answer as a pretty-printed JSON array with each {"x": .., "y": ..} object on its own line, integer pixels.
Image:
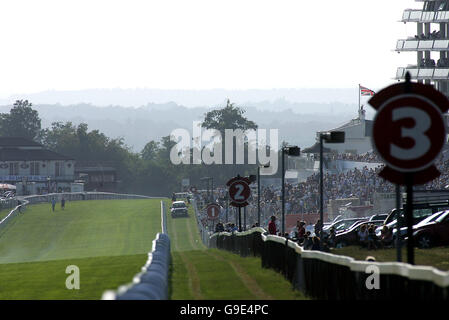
[
  {"x": 32, "y": 168},
  {"x": 357, "y": 136},
  {"x": 430, "y": 43}
]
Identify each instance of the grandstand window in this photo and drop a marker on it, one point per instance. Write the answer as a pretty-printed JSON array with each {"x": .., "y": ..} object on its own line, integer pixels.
[
  {"x": 59, "y": 169},
  {"x": 34, "y": 168},
  {"x": 14, "y": 169}
]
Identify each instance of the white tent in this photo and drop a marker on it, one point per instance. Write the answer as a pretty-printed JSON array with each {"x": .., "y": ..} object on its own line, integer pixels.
[{"x": 7, "y": 186}]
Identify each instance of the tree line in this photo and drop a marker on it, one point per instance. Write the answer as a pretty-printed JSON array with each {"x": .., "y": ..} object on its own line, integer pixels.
[{"x": 149, "y": 171}]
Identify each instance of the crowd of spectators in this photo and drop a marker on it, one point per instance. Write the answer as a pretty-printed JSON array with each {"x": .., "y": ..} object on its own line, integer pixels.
[
  {"x": 303, "y": 198},
  {"x": 434, "y": 35},
  {"x": 366, "y": 157},
  {"x": 427, "y": 63}
]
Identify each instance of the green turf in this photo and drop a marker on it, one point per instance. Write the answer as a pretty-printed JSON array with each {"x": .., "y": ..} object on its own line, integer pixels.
[
  {"x": 84, "y": 229},
  {"x": 200, "y": 273},
  {"x": 4, "y": 212},
  {"x": 47, "y": 280},
  {"x": 107, "y": 239},
  {"x": 436, "y": 257}
]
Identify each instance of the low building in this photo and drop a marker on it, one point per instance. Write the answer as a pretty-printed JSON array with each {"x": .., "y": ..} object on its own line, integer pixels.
[
  {"x": 357, "y": 136},
  {"x": 97, "y": 175},
  {"x": 34, "y": 169}
]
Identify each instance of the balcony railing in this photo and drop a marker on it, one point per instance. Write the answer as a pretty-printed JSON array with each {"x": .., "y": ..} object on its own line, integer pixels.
[
  {"x": 422, "y": 45},
  {"x": 28, "y": 178},
  {"x": 418, "y": 73},
  {"x": 417, "y": 15}
]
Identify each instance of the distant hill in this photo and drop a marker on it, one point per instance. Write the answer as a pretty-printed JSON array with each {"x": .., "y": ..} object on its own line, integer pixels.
[
  {"x": 191, "y": 98},
  {"x": 297, "y": 122}
]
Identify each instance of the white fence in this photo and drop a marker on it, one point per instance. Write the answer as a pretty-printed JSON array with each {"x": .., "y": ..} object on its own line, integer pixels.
[{"x": 328, "y": 276}]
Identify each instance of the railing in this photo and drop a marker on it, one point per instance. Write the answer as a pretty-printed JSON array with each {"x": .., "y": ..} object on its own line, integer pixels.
[
  {"x": 422, "y": 45},
  {"x": 152, "y": 282},
  {"x": 417, "y": 15},
  {"x": 205, "y": 233},
  {"x": 327, "y": 276},
  {"x": 423, "y": 73}
]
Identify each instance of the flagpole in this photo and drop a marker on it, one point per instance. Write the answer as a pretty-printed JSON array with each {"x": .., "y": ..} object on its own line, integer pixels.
[{"x": 359, "y": 96}]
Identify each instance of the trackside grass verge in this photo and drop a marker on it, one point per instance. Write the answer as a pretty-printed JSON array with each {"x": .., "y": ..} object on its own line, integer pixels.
[
  {"x": 210, "y": 274},
  {"x": 435, "y": 257}
]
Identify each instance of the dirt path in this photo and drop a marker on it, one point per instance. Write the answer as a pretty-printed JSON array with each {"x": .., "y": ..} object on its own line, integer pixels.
[
  {"x": 194, "y": 280},
  {"x": 249, "y": 282}
]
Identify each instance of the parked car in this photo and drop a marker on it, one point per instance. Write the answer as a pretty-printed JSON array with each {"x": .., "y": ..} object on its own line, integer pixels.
[
  {"x": 419, "y": 214},
  {"x": 350, "y": 236},
  {"x": 420, "y": 224},
  {"x": 380, "y": 216},
  {"x": 179, "y": 209},
  {"x": 343, "y": 224},
  {"x": 434, "y": 233}
]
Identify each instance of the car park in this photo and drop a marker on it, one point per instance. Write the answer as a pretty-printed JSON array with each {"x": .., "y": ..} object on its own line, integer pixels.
[
  {"x": 342, "y": 224},
  {"x": 433, "y": 233},
  {"x": 350, "y": 236},
  {"x": 179, "y": 209},
  {"x": 420, "y": 224},
  {"x": 425, "y": 204}
]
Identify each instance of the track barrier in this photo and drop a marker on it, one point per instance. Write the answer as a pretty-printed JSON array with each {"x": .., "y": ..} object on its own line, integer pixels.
[{"x": 327, "y": 276}]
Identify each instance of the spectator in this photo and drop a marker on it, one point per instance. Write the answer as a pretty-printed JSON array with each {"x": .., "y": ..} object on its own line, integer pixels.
[
  {"x": 315, "y": 243},
  {"x": 386, "y": 237},
  {"x": 308, "y": 242},
  {"x": 301, "y": 231},
  {"x": 332, "y": 235},
  {"x": 272, "y": 226},
  {"x": 219, "y": 227},
  {"x": 318, "y": 227},
  {"x": 363, "y": 235},
  {"x": 372, "y": 238}
]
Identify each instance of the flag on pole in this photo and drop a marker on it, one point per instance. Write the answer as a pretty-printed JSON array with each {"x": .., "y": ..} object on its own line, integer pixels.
[{"x": 365, "y": 91}]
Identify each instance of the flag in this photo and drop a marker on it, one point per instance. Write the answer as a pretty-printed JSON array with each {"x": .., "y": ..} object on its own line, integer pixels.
[{"x": 366, "y": 92}]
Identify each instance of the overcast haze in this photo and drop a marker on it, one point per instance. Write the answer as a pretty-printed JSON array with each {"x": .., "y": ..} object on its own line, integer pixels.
[{"x": 76, "y": 45}]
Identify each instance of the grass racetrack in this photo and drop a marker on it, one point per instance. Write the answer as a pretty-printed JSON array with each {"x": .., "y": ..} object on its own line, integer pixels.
[
  {"x": 107, "y": 239},
  {"x": 210, "y": 274}
]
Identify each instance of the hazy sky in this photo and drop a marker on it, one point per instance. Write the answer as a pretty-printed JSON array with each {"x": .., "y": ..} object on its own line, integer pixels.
[{"x": 200, "y": 44}]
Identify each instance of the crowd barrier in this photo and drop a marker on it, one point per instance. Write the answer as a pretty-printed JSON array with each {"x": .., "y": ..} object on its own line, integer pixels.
[
  {"x": 153, "y": 281},
  {"x": 327, "y": 276}
]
